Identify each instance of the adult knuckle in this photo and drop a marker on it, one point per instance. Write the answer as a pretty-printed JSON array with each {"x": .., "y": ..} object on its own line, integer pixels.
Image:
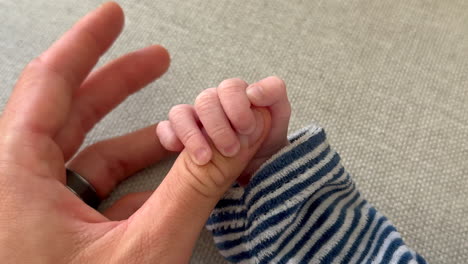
[
  {"x": 39, "y": 66},
  {"x": 90, "y": 115},
  {"x": 112, "y": 168},
  {"x": 31, "y": 73}
]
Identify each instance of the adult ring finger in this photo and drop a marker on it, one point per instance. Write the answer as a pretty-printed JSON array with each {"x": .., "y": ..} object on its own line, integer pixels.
[{"x": 82, "y": 188}]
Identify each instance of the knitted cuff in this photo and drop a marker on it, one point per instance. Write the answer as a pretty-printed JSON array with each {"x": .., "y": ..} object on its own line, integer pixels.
[{"x": 301, "y": 206}]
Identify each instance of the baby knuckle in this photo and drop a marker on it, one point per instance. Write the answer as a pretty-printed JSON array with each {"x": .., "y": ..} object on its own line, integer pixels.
[
  {"x": 280, "y": 82},
  {"x": 221, "y": 132},
  {"x": 205, "y": 101},
  {"x": 232, "y": 85},
  {"x": 177, "y": 112},
  {"x": 205, "y": 95},
  {"x": 188, "y": 136}
]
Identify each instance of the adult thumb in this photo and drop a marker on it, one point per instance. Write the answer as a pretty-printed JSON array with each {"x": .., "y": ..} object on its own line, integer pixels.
[{"x": 177, "y": 211}]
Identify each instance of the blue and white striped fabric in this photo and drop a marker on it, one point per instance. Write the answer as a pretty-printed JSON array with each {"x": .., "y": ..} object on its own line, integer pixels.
[{"x": 302, "y": 206}]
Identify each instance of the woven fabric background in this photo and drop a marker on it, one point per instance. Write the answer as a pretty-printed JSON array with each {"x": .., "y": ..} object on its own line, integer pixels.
[{"x": 387, "y": 79}]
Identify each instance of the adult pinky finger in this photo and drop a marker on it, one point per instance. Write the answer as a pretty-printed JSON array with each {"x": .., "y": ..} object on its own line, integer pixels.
[
  {"x": 168, "y": 137},
  {"x": 184, "y": 123}
]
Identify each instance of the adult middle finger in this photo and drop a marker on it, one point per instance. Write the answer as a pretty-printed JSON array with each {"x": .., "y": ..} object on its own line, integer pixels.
[{"x": 107, "y": 87}]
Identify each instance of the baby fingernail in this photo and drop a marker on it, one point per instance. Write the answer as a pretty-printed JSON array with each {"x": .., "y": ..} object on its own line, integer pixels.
[
  {"x": 255, "y": 92},
  {"x": 201, "y": 156},
  {"x": 248, "y": 131},
  {"x": 231, "y": 150}
]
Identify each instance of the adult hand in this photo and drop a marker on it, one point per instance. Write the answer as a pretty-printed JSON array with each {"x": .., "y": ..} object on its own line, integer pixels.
[{"x": 54, "y": 104}]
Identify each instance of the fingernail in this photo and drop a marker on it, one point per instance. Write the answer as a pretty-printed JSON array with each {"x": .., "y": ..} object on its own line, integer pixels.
[
  {"x": 248, "y": 131},
  {"x": 201, "y": 156},
  {"x": 255, "y": 92},
  {"x": 231, "y": 150}
]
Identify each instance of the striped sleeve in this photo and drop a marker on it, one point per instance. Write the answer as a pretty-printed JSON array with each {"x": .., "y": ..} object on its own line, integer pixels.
[{"x": 302, "y": 206}]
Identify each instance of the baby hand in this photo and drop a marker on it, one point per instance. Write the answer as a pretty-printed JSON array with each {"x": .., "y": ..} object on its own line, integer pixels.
[{"x": 226, "y": 113}]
